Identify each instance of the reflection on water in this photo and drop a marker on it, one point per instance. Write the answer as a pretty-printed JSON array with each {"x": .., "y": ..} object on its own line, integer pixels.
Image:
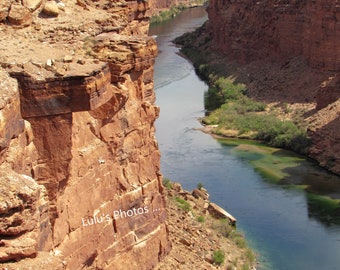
[
  {"x": 281, "y": 223},
  {"x": 288, "y": 169},
  {"x": 212, "y": 101}
]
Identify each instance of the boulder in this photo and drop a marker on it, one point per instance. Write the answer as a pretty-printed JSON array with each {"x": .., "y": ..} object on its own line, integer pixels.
[
  {"x": 19, "y": 15},
  {"x": 24, "y": 226},
  {"x": 32, "y": 5},
  {"x": 51, "y": 9},
  {"x": 22, "y": 247},
  {"x": 197, "y": 193},
  {"x": 4, "y": 9},
  {"x": 218, "y": 212},
  {"x": 68, "y": 59}
]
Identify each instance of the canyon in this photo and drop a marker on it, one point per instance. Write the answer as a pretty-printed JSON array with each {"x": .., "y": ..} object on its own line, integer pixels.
[
  {"x": 77, "y": 113},
  {"x": 77, "y": 132},
  {"x": 287, "y": 53},
  {"x": 77, "y": 137}
]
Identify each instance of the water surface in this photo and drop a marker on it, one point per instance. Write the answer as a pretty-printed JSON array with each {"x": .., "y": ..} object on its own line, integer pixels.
[{"x": 278, "y": 221}]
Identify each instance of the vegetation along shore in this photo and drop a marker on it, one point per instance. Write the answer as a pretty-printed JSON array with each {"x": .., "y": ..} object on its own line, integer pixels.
[
  {"x": 260, "y": 131},
  {"x": 232, "y": 113}
]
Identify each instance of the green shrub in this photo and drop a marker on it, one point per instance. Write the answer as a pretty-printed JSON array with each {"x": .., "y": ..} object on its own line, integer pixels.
[
  {"x": 238, "y": 238},
  {"x": 200, "y": 186},
  {"x": 250, "y": 256},
  {"x": 183, "y": 204},
  {"x": 167, "y": 183},
  {"x": 201, "y": 219},
  {"x": 229, "y": 89},
  {"x": 167, "y": 14},
  {"x": 222, "y": 226},
  {"x": 218, "y": 257},
  {"x": 284, "y": 134},
  {"x": 229, "y": 107},
  {"x": 243, "y": 117},
  {"x": 246, "y": 267}
]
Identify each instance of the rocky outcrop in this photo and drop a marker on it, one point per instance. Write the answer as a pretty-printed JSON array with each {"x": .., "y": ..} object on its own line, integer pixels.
[
  {"x": 24, "y": 223},
  {"x": 288, "y": 51},
  {"x": 69, "y": 89},
  {"x": 196, "y": 234},
  {"x": 329, "y": 92},
  {"x": 219, "y": 212},
  {"x": 80, "y": 175},
  {"x": 324, "y": 129}
]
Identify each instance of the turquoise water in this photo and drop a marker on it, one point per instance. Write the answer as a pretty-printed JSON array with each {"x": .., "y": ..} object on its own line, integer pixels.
[{"x": 279, "y": 222}]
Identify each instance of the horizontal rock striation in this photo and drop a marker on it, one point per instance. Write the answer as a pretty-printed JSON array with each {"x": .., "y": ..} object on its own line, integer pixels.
[
  {"x": 80, "y": 175},
  {"x": 275, "y": 33},
  {"x": 24, "y": 223},
  {"x": 251, "y": 30},
  {"x": 51, "y": 95}
]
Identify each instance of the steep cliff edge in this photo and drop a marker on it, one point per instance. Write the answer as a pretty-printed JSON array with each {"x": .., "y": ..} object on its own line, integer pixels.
[
  {"x": 285, "y": 52},
  {"x": 80, "y": 178}
]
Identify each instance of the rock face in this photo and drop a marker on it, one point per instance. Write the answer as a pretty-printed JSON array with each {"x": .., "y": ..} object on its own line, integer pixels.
[
  {"x": 80, "y": 175},
  {"x": 324, "y": 127},
  {"x": 251, "y": 30},
  {"x": 283, "y": 31},
  {"x": 24, "y": 211}
]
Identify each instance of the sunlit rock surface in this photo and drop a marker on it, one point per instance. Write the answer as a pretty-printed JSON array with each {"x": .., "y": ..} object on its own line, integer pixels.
[{"x": 80, "y": 174}]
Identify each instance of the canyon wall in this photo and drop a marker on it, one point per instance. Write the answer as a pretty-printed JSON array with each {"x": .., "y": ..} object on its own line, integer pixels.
[
  {"x": 251, "y": 30},
  {"x": 288, "y": 33},
  {"x": 160, "y": 5},
  {"x": 81, "y": 186}
]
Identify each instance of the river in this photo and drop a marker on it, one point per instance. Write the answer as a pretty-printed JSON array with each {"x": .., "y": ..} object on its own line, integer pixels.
[{"x": 276, "y": 221}]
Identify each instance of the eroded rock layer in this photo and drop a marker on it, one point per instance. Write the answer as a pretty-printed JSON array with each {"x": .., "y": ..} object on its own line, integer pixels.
[
  {"x": 251, "y": 30},
  {"x": 286, "y": 33},
  {"x": 80, "y": 176}
]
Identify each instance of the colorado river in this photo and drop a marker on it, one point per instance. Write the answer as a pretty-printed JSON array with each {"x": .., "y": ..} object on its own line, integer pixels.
[{"x": 276, "y": 221}]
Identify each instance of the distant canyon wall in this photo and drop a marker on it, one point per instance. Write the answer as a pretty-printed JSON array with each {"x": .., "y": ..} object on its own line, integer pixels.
[
  {"x": 250, "y": 30},
  {"x": 80, "y": 186},
  {"x": 277, "y": 30},
  {"x": 159, "y": 5}
]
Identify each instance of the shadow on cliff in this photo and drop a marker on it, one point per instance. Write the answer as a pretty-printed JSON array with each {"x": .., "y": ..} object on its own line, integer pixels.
[
  {"x": 53, "y": 140},
  {"x": 326, "y": 142},
  {"x": 269, "y": 80}
]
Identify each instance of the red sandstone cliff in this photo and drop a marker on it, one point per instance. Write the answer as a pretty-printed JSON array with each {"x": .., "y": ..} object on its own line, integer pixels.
[
  {"x": 251, "y": 30},
  {"x": 291, "y": 53},
  {"x": 80, "y": 177}
]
